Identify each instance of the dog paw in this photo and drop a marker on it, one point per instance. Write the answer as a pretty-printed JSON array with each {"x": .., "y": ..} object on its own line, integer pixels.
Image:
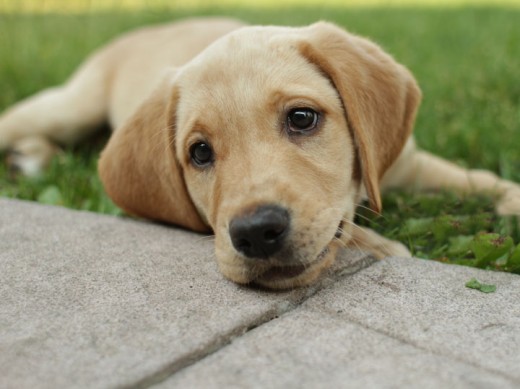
[
  {"x": 391, "y": 248},
  {"x": 509, "y": 205},
  {"x": 365, "y": 239},
  {"x": 30, "y": 156}
]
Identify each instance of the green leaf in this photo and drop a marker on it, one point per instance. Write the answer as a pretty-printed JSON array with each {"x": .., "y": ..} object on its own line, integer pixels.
[
  {"x": 490, "y": 247},
  {"x": 416, "y": 227},
  {"x": 459, "y": 246},
  {"x": 444, "y": 226},
  {"x": 484, "y": 288},
  {"x": 51, "y": 195}
]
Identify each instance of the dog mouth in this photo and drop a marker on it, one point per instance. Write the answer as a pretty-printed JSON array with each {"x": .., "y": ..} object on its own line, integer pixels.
[{"x": 277, "y": 273}]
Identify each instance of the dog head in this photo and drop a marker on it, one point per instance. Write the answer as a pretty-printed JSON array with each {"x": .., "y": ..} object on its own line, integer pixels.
[{"x": 268, "y": 138}]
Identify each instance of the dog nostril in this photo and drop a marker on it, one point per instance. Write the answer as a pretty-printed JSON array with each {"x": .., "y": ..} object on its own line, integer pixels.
[{"x": 272, "y": 235}]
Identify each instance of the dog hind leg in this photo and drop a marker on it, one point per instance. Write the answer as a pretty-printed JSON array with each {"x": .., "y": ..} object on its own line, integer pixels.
[
  {"x": 420, "y": 170},
  {"x": 62, "y": 115}
]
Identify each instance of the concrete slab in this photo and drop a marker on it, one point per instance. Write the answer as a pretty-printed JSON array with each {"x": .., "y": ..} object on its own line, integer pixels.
[
  {"x": 309, "y": 348},
  {"x": 399, "y": 323},
  {"x": 98, "y": 301},
  {"x": 427, "y": 304}
]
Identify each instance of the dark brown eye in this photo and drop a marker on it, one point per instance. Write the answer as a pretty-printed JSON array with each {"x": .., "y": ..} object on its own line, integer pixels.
[
  {"x": 301, "y": 120},
  {"x": 201, "y": 154}
]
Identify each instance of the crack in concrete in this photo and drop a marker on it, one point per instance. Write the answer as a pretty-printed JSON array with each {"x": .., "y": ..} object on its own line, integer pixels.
[
  {"x": 418, "y": 346},
  {"x": 340, "y": 270},
  {"x": 356, "y": 321},
  {"x": 206, "y": 350}
]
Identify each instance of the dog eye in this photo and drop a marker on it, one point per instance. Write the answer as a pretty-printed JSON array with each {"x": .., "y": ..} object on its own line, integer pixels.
[
  {"x": 302, "y": 120},
  {"x": 201, "y": 154}
]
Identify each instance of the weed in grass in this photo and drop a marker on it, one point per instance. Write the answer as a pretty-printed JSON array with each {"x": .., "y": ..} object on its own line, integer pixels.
[{"x": 446, "y": 228}]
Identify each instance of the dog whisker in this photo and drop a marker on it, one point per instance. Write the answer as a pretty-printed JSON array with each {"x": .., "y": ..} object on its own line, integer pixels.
[
  {"x": 365, "y": 218},
  {"x": 370, "y": 210},
  {"x": 205, "y": 238}
]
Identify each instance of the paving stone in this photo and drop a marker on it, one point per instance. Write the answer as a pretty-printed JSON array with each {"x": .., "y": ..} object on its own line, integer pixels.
[
  {"x": 97, "y": 301},
  {"x": 314, "y": 348},
  {"x": 427, "y": 304}
]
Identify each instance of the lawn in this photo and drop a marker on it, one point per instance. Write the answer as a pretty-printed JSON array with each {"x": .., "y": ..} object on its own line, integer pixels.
[{"x": 466, "y": 59}]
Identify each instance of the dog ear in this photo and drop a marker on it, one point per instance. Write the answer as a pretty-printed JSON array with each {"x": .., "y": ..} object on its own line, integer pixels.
[
  {"x": 380, "y": 97},
  {"x": 139, "y": 167}
]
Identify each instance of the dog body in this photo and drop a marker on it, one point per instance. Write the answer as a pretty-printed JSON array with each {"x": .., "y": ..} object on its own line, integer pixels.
[{"x": 268, "y": 136}]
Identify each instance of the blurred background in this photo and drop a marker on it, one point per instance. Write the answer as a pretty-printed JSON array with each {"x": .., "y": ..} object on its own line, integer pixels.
[{"x": 96, "y": 5}]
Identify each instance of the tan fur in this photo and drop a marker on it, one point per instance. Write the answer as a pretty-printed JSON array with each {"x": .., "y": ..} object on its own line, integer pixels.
[{"x": 165, "y": 88}]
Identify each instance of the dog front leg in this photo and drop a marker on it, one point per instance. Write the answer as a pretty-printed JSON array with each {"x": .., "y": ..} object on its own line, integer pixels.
[{"x": 369, "y": 241}]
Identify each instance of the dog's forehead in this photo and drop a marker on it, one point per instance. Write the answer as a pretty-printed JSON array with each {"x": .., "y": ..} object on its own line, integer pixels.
[
  {"x": 248, "y": 58},
  {"x": 246, "y": 43}
]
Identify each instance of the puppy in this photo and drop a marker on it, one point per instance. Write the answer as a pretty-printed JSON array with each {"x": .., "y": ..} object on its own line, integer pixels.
[{"x": 268, "y": 136}]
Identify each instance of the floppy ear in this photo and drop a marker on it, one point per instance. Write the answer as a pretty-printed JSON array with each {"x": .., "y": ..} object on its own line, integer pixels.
[
  {"x": 380, "y": 97},
  {"x": 139, "y": 168}
]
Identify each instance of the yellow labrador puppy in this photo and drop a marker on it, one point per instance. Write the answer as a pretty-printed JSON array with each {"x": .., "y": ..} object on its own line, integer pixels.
[{"x": 268, "y": 136}]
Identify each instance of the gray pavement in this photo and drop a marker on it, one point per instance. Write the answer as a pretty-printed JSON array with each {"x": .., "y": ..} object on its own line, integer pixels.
[{"x": 92, "y": 301}]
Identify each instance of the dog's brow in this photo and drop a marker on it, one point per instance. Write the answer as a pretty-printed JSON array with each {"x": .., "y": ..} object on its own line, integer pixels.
[
  {"x": 196, "y": 126},
  {"x": 304, "y": 94}
]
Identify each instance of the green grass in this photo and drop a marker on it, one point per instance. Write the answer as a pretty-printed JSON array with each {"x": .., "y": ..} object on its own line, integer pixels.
[
  {"x": 465, "y": 59},
  {"x": 65, "y": 6}
]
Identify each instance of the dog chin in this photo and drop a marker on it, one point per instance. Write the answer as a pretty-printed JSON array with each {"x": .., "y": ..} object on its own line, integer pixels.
[{"x": 293, "y": 276}]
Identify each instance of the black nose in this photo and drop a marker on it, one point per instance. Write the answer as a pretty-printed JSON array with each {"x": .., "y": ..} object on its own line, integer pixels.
[{"x": 261, "y": 233}]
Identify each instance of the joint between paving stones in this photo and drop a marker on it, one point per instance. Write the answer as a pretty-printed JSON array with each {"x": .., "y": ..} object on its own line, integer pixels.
[
  {"x": 212, "y": 347},
  {"x": 433, "y": 351},
  {"x": 225, "y": 340}
]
